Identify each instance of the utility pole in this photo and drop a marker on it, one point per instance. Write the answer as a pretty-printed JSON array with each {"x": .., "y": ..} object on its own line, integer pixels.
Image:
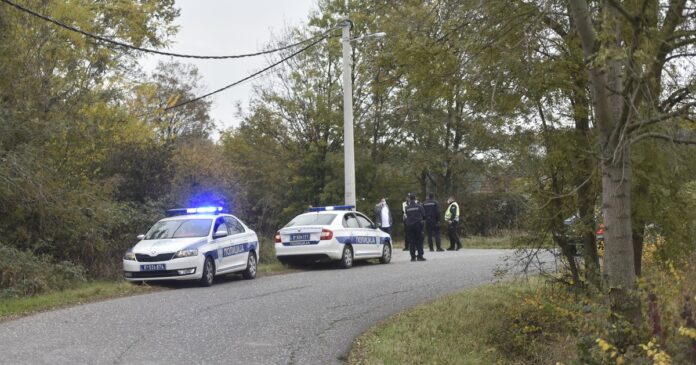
[{"x": 348, "y": 151}]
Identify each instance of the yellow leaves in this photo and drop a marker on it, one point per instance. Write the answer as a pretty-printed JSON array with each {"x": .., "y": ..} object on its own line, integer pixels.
[
  {"x": 173, "y": 100},
  {"x": 611, "y": 351},
  {"x": 529, "y": 329},
  {"x": 688, "y": 332},
  {"x": 658, "y": 356},
  {"x": 677, "y": 275},
  {"x": 604, "y": 345}
]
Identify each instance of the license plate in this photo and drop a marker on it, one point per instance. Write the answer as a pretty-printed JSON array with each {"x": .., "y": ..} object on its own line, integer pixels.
[
  {"x": 299, "y": 237},
  {"x": 153, "y": 267},
  {"x": 299, "y": 243}
]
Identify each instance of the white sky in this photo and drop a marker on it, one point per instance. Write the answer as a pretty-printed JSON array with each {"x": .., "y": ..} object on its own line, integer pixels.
[{"x": 226, "y": 27}]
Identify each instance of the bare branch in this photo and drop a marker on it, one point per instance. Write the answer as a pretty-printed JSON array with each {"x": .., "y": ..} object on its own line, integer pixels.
[
  {"x": 685, "y": 109},
  {"x": 673, "y": 99},
  {"x": 631, "y": 18},
  {"x": 666, "y": 137}
]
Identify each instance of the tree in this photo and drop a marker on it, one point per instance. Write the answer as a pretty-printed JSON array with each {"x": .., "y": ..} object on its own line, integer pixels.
[
  {"x": 170, "y": 84},
  {"x": 627, "y": 45}
]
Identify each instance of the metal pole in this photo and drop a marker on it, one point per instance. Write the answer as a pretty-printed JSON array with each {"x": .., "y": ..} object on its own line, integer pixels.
[{"x": 348, "y": 153}]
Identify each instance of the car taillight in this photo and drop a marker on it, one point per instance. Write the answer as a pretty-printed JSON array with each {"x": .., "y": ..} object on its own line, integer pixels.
[
  {"x": 326, "y": 234},
  {"x": 277, "y": 237}
]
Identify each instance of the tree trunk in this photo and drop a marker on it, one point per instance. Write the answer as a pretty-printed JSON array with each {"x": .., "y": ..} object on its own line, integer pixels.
[
  {"x": 606, "y": 85},
  {"x": 638, "y": 249},
  {"x": 618, "y": 237}
]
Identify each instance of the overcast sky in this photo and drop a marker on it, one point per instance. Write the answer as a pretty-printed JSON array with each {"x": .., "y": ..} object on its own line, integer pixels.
[{"x": 224, "y": 27}]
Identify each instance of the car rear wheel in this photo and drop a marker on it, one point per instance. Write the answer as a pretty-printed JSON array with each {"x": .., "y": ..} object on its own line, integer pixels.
[
  {"x": 208, "y": 272},
  {"x": 386, "y": 254},
  {"x": 347, "y": 257},
  {"x": 250, "y": 271}
]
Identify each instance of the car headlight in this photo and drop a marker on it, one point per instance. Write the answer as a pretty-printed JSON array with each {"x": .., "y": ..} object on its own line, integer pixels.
[
  {"x": 129, "y": 256},
  {"x": 187, "y": 253}
]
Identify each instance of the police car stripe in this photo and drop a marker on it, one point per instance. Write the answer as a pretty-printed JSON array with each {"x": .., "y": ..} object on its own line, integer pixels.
[
  {"x": 238, "y": 249},
  {"x": 358, "y": 240},
  {"x": 234, "y": 249}
]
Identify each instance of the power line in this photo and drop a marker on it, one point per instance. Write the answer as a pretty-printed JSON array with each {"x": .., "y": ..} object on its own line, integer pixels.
[
  {"x": 248, "y": 77},
  {"x": 154, "y": 51}
]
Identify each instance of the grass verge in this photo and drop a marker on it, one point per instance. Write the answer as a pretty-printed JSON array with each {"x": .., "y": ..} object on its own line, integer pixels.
[
  {"x": 84, "y": 293},
  {"x": 466, "y": 328},
  {"x": 483, "y": 242},
  {"x": 93, "y": 291}
]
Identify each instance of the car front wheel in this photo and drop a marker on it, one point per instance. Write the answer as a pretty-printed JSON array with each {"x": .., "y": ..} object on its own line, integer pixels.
[
  {"x": 250, "y": 271},
  {"x": 208, "y": 272},
  {"x": 386, "y": 254}
]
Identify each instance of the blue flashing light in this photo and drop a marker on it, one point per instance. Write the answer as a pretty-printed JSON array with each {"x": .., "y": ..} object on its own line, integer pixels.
[
  {"x": 197, "y": 210},
  {"x": 331, "y": 207},
  {"x": 202, "y": 210}
]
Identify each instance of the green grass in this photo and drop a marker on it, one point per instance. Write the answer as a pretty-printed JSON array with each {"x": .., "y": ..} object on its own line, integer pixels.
[
  {"x": 84, "y": 293},
  {"x": 274, "y": 268},
  {"x": 457, "y": 329}
]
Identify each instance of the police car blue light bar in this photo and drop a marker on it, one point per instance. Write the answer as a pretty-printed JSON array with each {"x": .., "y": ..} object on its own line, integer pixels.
[
  {"x": 196, "y": 210},
  {"x": 204, "y": 210},
  {"x": 331, "y": 207}
]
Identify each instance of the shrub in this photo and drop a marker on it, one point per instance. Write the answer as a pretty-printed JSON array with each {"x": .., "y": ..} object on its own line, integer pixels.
[{"x": 23, "y": 273}]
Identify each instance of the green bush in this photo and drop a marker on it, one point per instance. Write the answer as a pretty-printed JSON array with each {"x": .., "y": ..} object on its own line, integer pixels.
[
  {"x": 23, "y": 273},
  {"x": 267, "y": 251}
]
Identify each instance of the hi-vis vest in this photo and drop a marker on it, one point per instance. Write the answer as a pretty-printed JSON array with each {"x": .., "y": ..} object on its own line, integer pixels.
[{"x": 448, "y": 213}]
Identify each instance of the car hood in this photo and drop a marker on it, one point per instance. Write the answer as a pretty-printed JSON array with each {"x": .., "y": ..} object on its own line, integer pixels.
[{"x": 167, "y": 245}]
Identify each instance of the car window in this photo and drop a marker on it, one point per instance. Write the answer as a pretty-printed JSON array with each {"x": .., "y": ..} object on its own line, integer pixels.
[
  {"x": 349, "y": 221},
  {"x": 319, "y": 219},
  {"x": 220, "y": 222},
  {"x": 364, "y": 222},
  {"x": 234, "y": 226},
  {"x": 180, "y": 228}
]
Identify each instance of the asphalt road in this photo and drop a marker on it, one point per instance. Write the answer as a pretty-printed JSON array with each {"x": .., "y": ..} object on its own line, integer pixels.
[{"x": 310, "y": 317}]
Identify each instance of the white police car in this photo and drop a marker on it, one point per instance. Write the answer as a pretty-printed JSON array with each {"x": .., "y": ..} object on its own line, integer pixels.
[
  {"x": 193, "y": 244},
  {"x": 332, "y": 233}
]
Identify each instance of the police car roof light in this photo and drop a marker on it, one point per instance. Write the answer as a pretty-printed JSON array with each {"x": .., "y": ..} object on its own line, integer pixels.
[
  {"x": 200, "y": 210},
  {"x": 197, "y": 210},
  {"x": 331, "y": 207}
]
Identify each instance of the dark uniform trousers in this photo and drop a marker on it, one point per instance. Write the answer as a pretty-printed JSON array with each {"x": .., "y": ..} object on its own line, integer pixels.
[
  {"x": 432, "y": 228},
  {"x": 453, "y": 235},
  {"x": 414, "y": 237},
  {"x": 406, "y": 238}
]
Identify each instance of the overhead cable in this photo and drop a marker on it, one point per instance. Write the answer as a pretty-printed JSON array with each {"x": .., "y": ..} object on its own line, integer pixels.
[
  {"x": 154, "y": 51},
  {"x": 248, "y": 77}
]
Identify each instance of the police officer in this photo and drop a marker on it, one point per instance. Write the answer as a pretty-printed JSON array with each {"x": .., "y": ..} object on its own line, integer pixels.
[
  {"x": 414, "y": 228},
  {"x": 403, "y": 210},
  {"x": 452, "y": 216},
  {"x": 432, "y": 221}
]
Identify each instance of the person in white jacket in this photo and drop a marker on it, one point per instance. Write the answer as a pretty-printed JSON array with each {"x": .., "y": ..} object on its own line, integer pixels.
[{"x": 383, "y": 216}]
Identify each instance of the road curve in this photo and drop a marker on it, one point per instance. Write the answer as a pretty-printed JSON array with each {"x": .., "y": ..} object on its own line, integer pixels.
[{"x": 309, "y": 317}]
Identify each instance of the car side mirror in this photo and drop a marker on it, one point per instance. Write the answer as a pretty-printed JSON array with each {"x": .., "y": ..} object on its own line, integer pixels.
[
  {"x": 141, "y": 237},
  {"x": 221, "y": 232}
]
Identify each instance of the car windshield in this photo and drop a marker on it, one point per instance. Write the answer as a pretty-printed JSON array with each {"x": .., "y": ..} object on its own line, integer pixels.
[
  {"x": 312, "y": 220},
  {"x": 180, "y": 228}
]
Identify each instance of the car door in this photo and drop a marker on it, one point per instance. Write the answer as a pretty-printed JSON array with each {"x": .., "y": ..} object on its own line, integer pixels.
[
  {"x": 238, "y": 248},
  {"x": 353, "y": 231},
  {"x": 368, "y": 238},
  {"x": 219, "y": 243}
]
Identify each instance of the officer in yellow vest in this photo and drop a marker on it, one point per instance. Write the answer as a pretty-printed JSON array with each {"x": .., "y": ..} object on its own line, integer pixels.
[{"x": 452, "y": 216}]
